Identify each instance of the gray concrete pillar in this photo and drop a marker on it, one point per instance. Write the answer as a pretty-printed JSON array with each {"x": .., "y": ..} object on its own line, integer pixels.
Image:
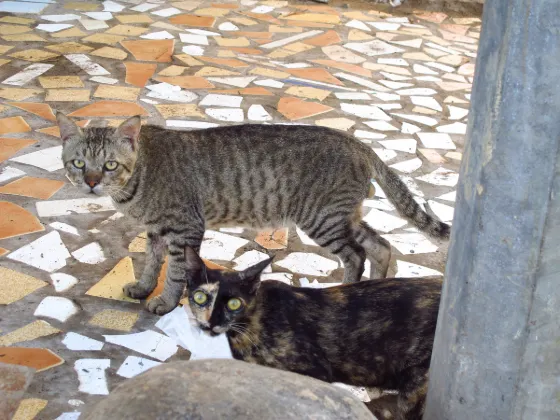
[{"x": 497, "y": 348}]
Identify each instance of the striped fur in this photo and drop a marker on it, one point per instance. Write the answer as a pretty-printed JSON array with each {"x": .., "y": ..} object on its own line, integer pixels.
[{"x": 179, "y": 183}]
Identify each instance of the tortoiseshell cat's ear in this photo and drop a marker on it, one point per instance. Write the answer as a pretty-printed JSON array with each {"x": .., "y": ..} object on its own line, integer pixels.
[
  {"x": 195, "y": 267},
  {"x": 251, "y": 277},
  {"x": 130, "y": 131},
  {"x": 67, "y": 127}
]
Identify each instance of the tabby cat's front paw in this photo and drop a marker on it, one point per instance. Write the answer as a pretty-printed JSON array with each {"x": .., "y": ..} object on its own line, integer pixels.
[
  {"x": 136, "y": 290},
  {"x": 159, "y": 306}
]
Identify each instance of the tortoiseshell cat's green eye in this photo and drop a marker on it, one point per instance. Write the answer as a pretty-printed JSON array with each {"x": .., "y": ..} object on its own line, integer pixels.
[
  {"x": 111, "y": 165},
  {"x": 200, "y": 298},
  {"x": 234, "y": 304},
  {"x": 78, "y": 163}
]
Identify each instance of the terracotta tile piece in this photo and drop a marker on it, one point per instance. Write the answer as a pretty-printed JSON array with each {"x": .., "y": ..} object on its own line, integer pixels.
[
  {"x": 34, "y": 55},
  {"x": 261, "y": 71},
  {"x": 232, "y": 42},
  {"x": 55, "y": 131},
  {"x": 261, "y": 16},
  {"x": 126, "y": 30},
  {"x": 211, "y": 72},
  {"x": 150, "y": 50},
  {"x": 29, "y": 409},
  {"x": 114, "y": 320},
  {"x": 225, "y": 5},
  {"x": 192, "y": 20},
  {"x": 28, "y": 332},
  {"x": 244, "y": 21},
  {"x": 15, "y": 285},
  {"x": 188, "y": 60},
  {"x": 328, "y": 38},
  {"x": 109, "y": 109},
  {"x": 32, "y": 187},
  {"x": 67, "y": 95},
  {"x": 211, "y": 11},
  {"x": 318, "y": 74},
  {"x": 9, "y": 146},
  {"x": 187, "y": 82},
  {"x": 360, "y": 71},
  {"x": 174, "y": 70},
  {"x": 42, "y": 110},
  {"x": 69, "y": 48},
  {"x": 69, "y": 33},
  {"x": 117, "y": 92},
  {"x": 296, "y": 109},
  {"x": 254, "y": 35},
  {"x": 252, "y": 91},
  {"x": 111, "y": 286},
  {"x": 18, "y": 94},
  {"x": 308, "y": 24},
  {"x": 13, "y": 125},
  {"x": 248, "y": 51},
  {"x": 273, "y": 239},
  {"x": 284, "y": 29},
  {"x": 110, "y": 52},
  {"x": 3, "y": 251},
  {"x": 39, "y": 359},
  {"x": 179, "y": 110},
  {"x": 138, "y": 74},
  {"x": 139, "y": 18},
  {"x": 308, "y": 92},
  {"x": 104, "y": 39},
  {"x": 60, "y": 82},
  {"x": 228, "y": 62}
]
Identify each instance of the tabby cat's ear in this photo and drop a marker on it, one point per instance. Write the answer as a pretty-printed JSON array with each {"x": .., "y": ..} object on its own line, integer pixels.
[
  {"x": 252, "y": 275},
  {"x": 68, "y": 128},
  {"x": 194, "y": 262},
  {"x": 130, "y": 131}
]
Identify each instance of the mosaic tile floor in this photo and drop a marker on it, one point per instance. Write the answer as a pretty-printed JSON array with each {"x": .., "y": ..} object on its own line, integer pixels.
[{"x": 399, "y": 83}]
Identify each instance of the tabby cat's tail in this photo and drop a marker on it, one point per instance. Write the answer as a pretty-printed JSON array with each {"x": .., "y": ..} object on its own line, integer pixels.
[{"x": 400, "y": 196}]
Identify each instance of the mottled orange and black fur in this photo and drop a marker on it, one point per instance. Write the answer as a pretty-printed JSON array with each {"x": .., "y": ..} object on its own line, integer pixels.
[{"x": 376, "y": 333}]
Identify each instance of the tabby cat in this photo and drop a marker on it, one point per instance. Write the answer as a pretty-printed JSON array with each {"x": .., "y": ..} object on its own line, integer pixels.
[
  {"x": 179, "y": 183},
  {"x": 376, "y": 333}
]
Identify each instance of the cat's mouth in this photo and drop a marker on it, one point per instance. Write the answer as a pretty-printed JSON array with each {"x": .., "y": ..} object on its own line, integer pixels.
[{"x": 214, "y": 331}]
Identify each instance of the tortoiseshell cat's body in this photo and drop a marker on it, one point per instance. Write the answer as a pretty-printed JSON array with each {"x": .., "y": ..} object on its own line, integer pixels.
[
  {"x": 178, "y": 183},
  {"x": 376, "y": 333}
]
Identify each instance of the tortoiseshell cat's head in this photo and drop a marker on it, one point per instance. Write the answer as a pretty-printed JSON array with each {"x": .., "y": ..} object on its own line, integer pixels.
[
  {"x": 218, "y": 299},
  {"x": 101, "y": 159}
]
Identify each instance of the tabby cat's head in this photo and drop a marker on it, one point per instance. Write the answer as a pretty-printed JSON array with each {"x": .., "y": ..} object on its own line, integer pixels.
[
  {"x": 218, "y": 299},
  {"x": 101, "y": 159}
]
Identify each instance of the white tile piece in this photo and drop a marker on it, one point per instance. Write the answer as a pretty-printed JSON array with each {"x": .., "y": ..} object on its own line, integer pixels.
[
  {"x": 399, "y": 20},
  {"x": 213, "y": 99},
  {"x": 455, "y": 128},
  {"x": 149, "y": 101},
  {"x": 353, "y": 96},
  {"x": 283, "y": 277},
  {"x": 61, "y": 18},
  {"x": 170, "y": 11},
  {"x": 111, "y": 6},
  {"x": 62, "y": 282},
  {"x": 395, "y": 85},
  {"x": 99, "y": 15},
  {"x": 308, "y": 264},
  {"x": 10, "y": 172},
  {"x": 78, "y": 342},
  {"x": 384, "y": 222},
  {"x": 386, "y": 96},
  {"x": 411, "y": 243},
  {"x": 46, "y": 253},
  {"x": 441, "y": 176},
  {"x": 177, "y": 325},
  {"x": 158, "y": 35},
  {"x": 194, "y": 39},
  {"x": 304, "y": 282},
  {"x": 379, "y": 203},
  {"x": 379, "y": 191},
  {"x": 258, "y": 113},
  {"x": 417, "y": 91},
  {"x": 71, "y": 415},
  {"x": 412, "y": 186},
  {"x": 357, "y": 24},
  {"x": 219, "y": 246},
  {"x": 170, "y": 92},
  {"x": 28, "y": 74},
  {"x": 63, "y": 227},
  {"x": 441, "y": 66},
  {"x": 408, "y": 128},
  {"x": 93, "y": 25},
  {"x": 381, "y": 125},
  {"x": 406, "y": 269},
  {"x": 133, "y": 366},
  {"x": 385, "y": 26},
  {"x": 305, "y": 238},
  {"x": 313, "y": 82},
  {"x": 408, "y": 166},
  {"x": 450, "y": 196},
  {"x": 419, "y": 68},
  {"x": 195, "y": 125},
  {"x": 369, "y": 135},
  {"x": 294, "y": 65},
  {"x": 203, "y": 32},
  {"x": 384, "y": 154},
  {"x": 427, "y": 102},
  {"x": 91, "y": 374},
  {"x": 456, "y": 113},
  {"x": 78, "y": 205},
  {"x": 269, "y": 83},
  {"x": 226, "y": 114},
  {"x": 414, "y": 43},
  {"x": 48, "y": 159},
  {"x": 232, "y": 230},
  {"x": 394, "y": 77},
  {"x": 241, "y": 82},
  {"x": 144, "y": 7},
  {"x": 357, "y": 392},
  {"x": 83, "y": 61},
  {"x": 21, "y": 7},
  {"x": 193, "y": 50},
  {"x": 53, "y": 27},
  {"x": 365, "y": 111},
  {"x": 403, "y": 145},
  {"x": 428, "y": 78},
  {"x": 263, "y": 9},
  {"x": 373, "y": 48},
  {"x": 290, "y": 39},
  {"x": 227, "y": 26},
  {"x": 104, "y": 80},
  {"x": 90, "y": 254},
  {"x": 393, "y": 61},
  {"x": 418, "y": 118},
  {"x": 56, "y": 307},
  {"x": 442, "y": 211},
  {"x": 148, "y": 343},
  {"x": 436, "y": 141},
  {"x": 249, "y": 259},
  {"x": 360, "y": 81}
]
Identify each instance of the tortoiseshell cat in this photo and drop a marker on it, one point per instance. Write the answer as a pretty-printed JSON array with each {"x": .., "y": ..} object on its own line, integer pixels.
[
  {"x": 179, "y": 183},
  {"x": 376, "y": 333}
]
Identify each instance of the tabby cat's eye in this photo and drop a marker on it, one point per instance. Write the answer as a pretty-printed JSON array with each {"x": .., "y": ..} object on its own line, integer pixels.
[
  {"x": 234, "y": 304},
  {"x": 79, "y": 163},
  {"x": 111, "y": 165},
  {"x": 200, "y": 298}
]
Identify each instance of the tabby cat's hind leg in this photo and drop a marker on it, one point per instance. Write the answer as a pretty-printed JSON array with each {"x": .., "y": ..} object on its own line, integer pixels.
[
  {"x": 155, "y": 254},
  {"x": 378, "y": 249}
]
